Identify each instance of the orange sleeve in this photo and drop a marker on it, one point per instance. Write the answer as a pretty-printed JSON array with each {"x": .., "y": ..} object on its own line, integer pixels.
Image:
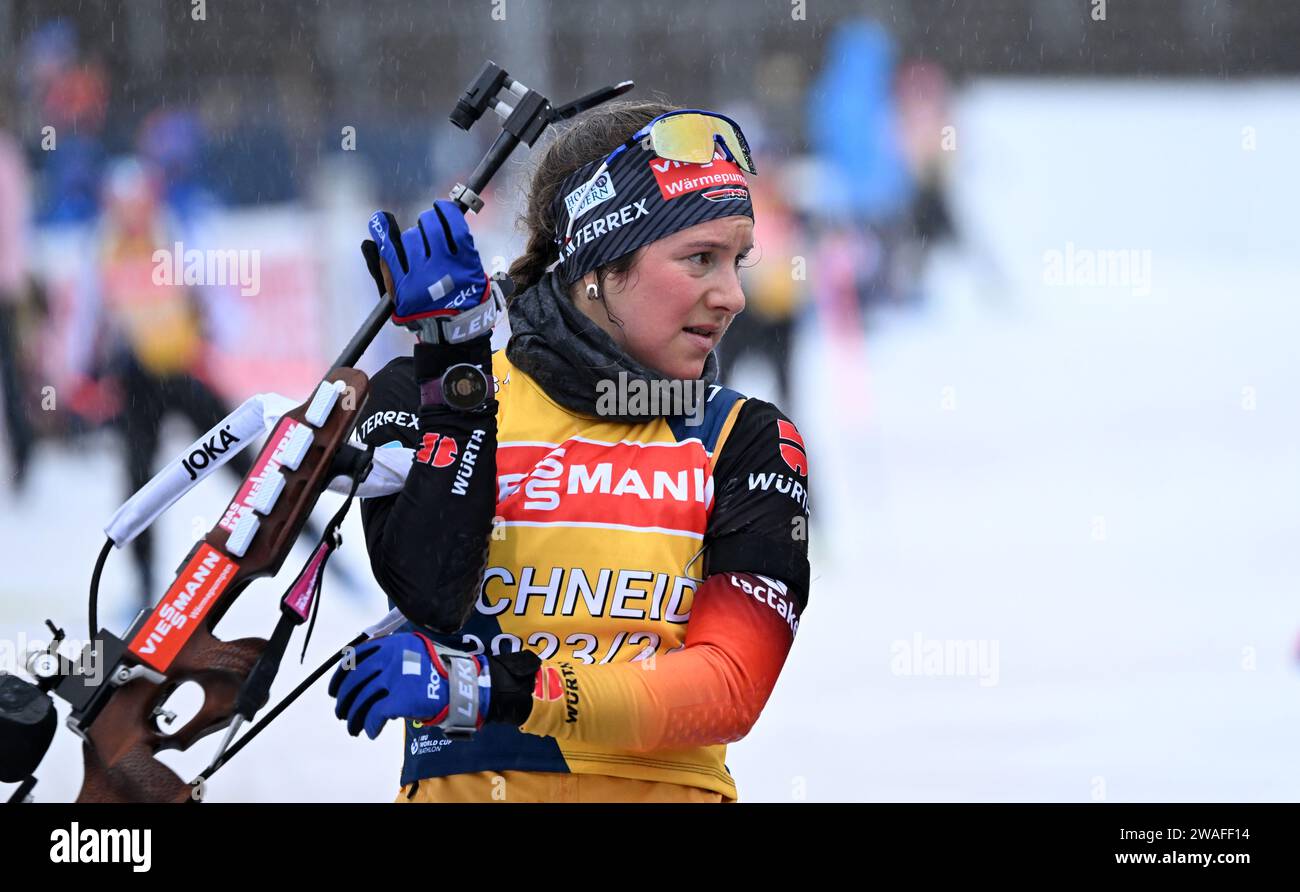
[{"x": 709, "y": 692}]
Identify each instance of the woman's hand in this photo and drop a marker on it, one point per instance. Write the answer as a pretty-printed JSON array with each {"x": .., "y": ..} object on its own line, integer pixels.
[
  {"x": 434, "y": 273},
  {"x": 406, "y": 675}
]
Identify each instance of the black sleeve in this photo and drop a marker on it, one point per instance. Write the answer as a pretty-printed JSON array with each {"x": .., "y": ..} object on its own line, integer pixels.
[
  {"x": 428, "y": 544},
  {"x": 759, "y": 522}
]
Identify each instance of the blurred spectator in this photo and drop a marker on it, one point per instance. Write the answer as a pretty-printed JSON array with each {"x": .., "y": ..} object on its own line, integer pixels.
[
  {"x": 15, "y": 219},
  {"x": 924, "y": 113},
  {"x": 149, "y": 339},
  {"x": 866, "y": 188},
  {"x": 245, "y": 157},
  {"x": 71, "y": 96},
  {"x": 853, "y": 125},
  {"x": 174, "y": 142},
  {"x": 775, "y": 281}
]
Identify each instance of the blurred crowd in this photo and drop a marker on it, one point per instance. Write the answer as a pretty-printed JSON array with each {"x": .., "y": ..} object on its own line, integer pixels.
[
  {"x": 847, "y": 210},
  {"x": 843, "y": 230}
]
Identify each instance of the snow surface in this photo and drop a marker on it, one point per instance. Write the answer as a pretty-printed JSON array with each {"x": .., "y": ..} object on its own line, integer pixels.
[{"x": 1099, "y": 487}]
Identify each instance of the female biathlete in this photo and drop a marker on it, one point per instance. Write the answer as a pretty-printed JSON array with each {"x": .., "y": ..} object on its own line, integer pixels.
[{"x": 603, "y": 574}]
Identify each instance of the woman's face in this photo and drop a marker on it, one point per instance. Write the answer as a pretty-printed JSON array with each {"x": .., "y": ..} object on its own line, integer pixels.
[{"x": 679, "y": 297}]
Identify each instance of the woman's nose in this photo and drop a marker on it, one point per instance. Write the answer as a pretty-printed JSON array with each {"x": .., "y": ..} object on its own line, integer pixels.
[{"x": 729, "y": 296}]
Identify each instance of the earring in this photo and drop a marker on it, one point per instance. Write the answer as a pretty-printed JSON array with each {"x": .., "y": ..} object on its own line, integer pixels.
[{"x": 593, "y": 293}]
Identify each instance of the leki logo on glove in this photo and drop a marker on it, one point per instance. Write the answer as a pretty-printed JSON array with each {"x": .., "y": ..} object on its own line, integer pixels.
[
  {"x": 435, "y": 683},
  {"x": 792, "y": 452},
  {"x": 436, "y": 450},
  {"x": 461, "y": 298}
]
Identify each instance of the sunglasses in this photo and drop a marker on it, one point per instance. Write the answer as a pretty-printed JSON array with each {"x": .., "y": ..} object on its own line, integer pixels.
[{"x": 689, "y": 135}]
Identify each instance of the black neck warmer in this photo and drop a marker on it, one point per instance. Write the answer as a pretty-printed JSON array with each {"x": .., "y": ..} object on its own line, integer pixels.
[{"x": 567, "y": 354}]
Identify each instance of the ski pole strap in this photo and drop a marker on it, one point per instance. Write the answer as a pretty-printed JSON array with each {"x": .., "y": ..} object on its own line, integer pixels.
[
  {"x": 303, "y": 597},
  {"x": 300, "y": 602},
  {"x": 280, "y": 707},
  {"x": 389, "y": 624},
  {"x": 302, "y": 594}
]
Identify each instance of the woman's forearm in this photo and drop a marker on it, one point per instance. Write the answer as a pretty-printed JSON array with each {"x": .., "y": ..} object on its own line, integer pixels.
[{"x": 709, "y": 692}]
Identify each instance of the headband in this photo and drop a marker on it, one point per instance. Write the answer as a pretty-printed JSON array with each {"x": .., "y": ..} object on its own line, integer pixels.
[{"x": 640, "y": 198}]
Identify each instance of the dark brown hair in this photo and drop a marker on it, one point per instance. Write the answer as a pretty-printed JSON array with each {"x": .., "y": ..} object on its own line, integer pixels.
[{"x": 589, "y": 137}]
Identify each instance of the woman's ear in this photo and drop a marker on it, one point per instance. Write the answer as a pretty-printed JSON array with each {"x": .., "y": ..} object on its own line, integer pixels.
[{"x": 578, "y": 291}]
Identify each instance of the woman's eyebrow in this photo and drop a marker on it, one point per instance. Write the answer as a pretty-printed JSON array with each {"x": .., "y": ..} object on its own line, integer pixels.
[{"x": 716, "y": 246}]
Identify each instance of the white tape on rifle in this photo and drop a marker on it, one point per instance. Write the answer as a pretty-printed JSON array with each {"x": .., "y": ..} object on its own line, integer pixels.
[
  {"x": 227, "y": 439},
  {"x": 223, "y": 442},
  {"x": 387, "y": 474}
]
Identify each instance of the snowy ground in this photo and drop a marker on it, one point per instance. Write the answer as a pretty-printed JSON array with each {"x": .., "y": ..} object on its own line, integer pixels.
[{"x": 1095, "y": 489}]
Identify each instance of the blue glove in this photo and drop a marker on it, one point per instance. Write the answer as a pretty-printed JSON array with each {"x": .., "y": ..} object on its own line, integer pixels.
[
  {"x": 406, "y": 675},
  {"x": 436, "y": 274}
]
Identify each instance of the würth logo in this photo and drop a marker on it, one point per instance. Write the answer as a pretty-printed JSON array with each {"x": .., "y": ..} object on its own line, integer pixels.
[
  {"x": 436, "y": 450},
  {"x": 793, "y": 450}
]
